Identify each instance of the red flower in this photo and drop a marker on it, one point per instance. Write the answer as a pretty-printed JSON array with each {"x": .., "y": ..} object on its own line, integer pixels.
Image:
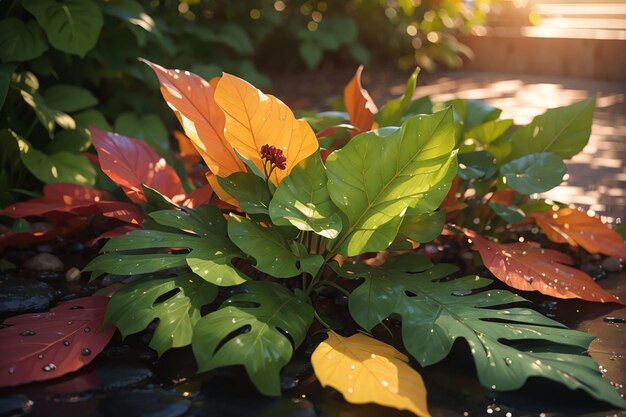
[{"x": 274, "y": 156}]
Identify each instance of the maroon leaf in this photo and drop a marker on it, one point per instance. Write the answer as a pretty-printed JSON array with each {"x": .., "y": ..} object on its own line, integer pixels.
[
  {"x": 41, "y": 346},
  {"x": 131, "y": 162}
]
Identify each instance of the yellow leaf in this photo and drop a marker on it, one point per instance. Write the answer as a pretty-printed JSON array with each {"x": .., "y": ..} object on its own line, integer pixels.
[
  {"x": 366, "y": 370},
  {"x": 254, "y": 119},
  {"x": 192, "y": 99}
]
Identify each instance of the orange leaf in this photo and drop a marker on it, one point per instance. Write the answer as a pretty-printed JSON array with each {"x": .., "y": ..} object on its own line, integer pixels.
[
  {"x": 360, "y": 106},
  {"x": 366, "y": 370},
  {"x": 577, "y": 228},
  {"x": 527, "y": 267},
  {"x": 254, "y": 119},
  {"x": 192, "y": 99}
]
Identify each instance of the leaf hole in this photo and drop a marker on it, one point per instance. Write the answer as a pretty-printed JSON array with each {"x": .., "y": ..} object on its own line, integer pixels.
[
  {"x": 288, "y": 336},
  {"x": 164, "y": 297},
  {"x": 298, "y": 264},
  {"x": 232, "y": 335},
  {"x": 410, "y": 293}
]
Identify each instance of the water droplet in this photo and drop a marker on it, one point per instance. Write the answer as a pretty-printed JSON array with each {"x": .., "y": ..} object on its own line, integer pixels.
[
  {"x": 69, "y": 323},
  {"x": 614, "y": 320},
  {"x": 508, "y": 361},
  {"x": 87, "y": 329},
  {"x": 493, "y": 387},
  {"x": 11, "y": 370},
  {"x": 40, "y": 356},
  {"x": 28, "y": 333},
  {"x": 49, "y": 367},
  {"x": 85, "y": 352},
  {"x": 66, "y": 343},
  {"x": 461, "y": 293}
]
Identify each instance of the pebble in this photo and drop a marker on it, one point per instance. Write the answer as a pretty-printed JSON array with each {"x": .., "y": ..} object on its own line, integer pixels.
[
  {"x": 594, "y": 271},
  {"x": 611, "y": 264},
  {"x": 44, "y": 262},
  {"x": 143, "y": 404},
  {"x": 115, "y": 377},
  {"x": 15, "y": 405},
  {"x": 23, "y": 296},
  {"x": 45, "y": 248},
  {"x": 72, "y": 274}
]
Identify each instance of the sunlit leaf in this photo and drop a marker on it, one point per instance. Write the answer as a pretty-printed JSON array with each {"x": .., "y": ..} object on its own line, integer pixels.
[
  {"x": 577, "y": 228},
  {"x": 527, "y": 267},
  {"x": 378, "y": 175},
  {"x": 511, "y": 214},
  {"x": 534, "y": 173},
  {"x": 41, "y": 346},
  {"x": 251, "y": 191},
  {"x": 139, "y": 303},
  {"x": 254, "y": 119},
  {"x": 473, "y": 112},
  {"x": 302, "y": 200},
  {"x": 489, "y": 131},
  {"x": 509, "y": 344},
  {"x": 69, "y": 98},
  {"x": 359, "y": 104},
  {"x": 392, "y": 111},
  {"x": 250, "y": 329},
  {"x": 365, "y": 370},
  {"x": 478, "y": 164}
]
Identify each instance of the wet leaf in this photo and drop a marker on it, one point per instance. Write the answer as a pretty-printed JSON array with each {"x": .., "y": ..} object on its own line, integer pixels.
[
  {"x": 509, "y": 344},
  {"x": 251, "y": 191},
  {"x": 302, "y": 200},
  {"x": 41, "y": 346},
  {"x": 365, "y": 370},
  {"x": 378, "y": 175},
  {"x": 131, "y": 163},
  {"x": 578, "y": 229},
  {"x": 274, "y": 254},
  {"x": 563, "y": 131},
  {"x": 534, "y": 173},
  {"x": 254, "y": 119},
  {"x": 250, "y": 329},
  {"x": 137, "y": 304},
  {"x": 527, "y": 267},
  {"x": 360, "y": 106},
  {"x": 192, "y": 100}
]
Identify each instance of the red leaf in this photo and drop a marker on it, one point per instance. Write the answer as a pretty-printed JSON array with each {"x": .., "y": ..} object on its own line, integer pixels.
[
  {"x": 199, "y": 196},
  {"x": 125, "y": 212},
  {"x": 527, "y": 267},
  {"x": 360, "y": 106},
  {"x": 577, "y": 228},
  {"x": 41, "y": 346},
  {"x": 132, "y": 162},
  {"x": 18, "y": 239}
]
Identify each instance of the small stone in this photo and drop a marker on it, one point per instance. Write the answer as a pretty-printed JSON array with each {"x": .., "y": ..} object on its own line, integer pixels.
[
  {"x": 75, "y": 247},
  {"x": 288, "y": 383},
  {"x": 611, "y": 264},
  {"x": 44, "y": 248},
  {"x": 44, "y": 262},
  {"x": 72, "y": 274},
  {"x": 23, "y": 296},
  {"x": 144, "y": 404},
  {"x": 115, "y": 377},
  {"x": 594, "y": 271}
]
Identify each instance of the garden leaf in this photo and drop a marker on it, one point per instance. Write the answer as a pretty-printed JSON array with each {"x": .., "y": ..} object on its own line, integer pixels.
[
  {"x": 423, "y": 227},
  {"x": 527, "y": 267},
  {"x": 487, "y": 132},
  {"x": 192, "y": 100},
  {"x": 254, "y": 119},
  {"x": 21, "y": 41},
  {"x": 577, "y": 228},
  {"x": 131, "y": 162},
  {"x": 378, "y": 175},
  {"x": 302, "y": 200},
  {"x": 41, "y": 346},
  {"x": 564, "y": 131},
  {"x": 72, "y": 26},
  {"x": 479, "y": 164},
  {"x": 473, "y": 112},
  {"x": 511, "y": 214},
  {"x": 250, "y": 191},
  {"x": 366, "y": 370},
  {"x": 148, "y": 127},
  {"x": 360, "y": 106},
  {"x": 436, "y": 311},
  {"x": 69, "y": 98},
  {"x": 392, "y": 111},
  {"x": 250, "y": 329},
  {"x": 137, "y": 304},
  {"x": 273, "y": 253},
  {"x": 534, "y": 173}
]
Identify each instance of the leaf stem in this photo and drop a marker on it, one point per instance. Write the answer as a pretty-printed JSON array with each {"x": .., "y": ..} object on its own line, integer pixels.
[{"x": 321, "y": 321}]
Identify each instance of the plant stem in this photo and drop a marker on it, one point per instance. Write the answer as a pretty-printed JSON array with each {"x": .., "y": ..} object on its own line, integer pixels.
[
  {"x": 334, "y": 285},
  {"x": 322, "y": 322}
]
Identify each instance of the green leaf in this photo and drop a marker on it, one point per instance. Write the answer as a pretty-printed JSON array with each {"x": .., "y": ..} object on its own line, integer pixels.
[
  {"x": 134, "y": 306},
  {"x": 21, "y": 41},
  {"x": 70, "y": 140},
  {"x": 72, "y": 26},
  {"x": 61, "y": 167},
  {"x": 422, "y": 228},
  {"x": 5, "y": 81},
  {"x": 378, "y": 175},
  {"x": 47, "y": 115},
  {"x": 92, "y": 118},
  {"x": 511, "y": 214},
  {"x": 311, "y": 53},
  {"x": 422, "y": 105},
  {"x": 302, "y": 200},
  {"x": 236, "y": 37},
  {"x": 479, "y": 164},
  {"x": 488, "y": 132},
  {"x": 436, "y": 311},
  {"x": 69, "y": 98},
  {"x": 148, "y": 127},
  {"x": 116, "y": 264},
  {"x": 250, "y": 190},
  {"x": 564, "y": 131},
  {"x": 534, "y": 173},
  {"x": 392, "y": 111},
  {"x": 274, "y": 255},
  {"x": 205, "y": 221},
  {"x": 473, "y": 112},
  {"x": 251, "y": 329}
]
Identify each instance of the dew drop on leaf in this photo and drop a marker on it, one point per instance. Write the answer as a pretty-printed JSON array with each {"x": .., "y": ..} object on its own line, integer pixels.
[
  {"x": 85, "y": 352},
  {"x": 87, "y": 329},
  {"x": 66, "y": 343},
  {"x": 49, "y": 367},
  {"x": 461, "y": 293},
  {"x": 27, "y": 333}
]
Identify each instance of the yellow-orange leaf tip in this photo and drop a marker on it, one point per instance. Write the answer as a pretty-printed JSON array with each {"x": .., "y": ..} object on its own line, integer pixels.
[{"x": 366, "y": 370}]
